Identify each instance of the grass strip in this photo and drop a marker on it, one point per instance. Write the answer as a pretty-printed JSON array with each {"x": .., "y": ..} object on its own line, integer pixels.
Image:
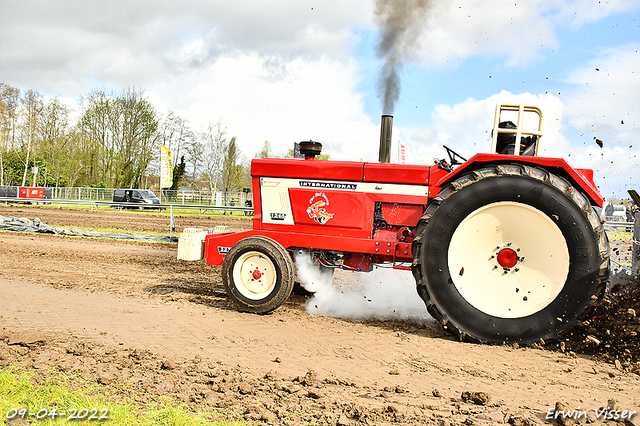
[
  {"x": 619, "y": 234},
  {"x": 55, "y": 403},
  {"x": 206, "y": 210}
]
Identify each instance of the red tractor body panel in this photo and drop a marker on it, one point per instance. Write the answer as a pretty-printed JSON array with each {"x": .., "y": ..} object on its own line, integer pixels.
[
  {"x": 406, "y": 174},
  {"x": 218, "y": 245},
  {"x": 581, "y": 178},
  {"x": 362, "y": 210}
]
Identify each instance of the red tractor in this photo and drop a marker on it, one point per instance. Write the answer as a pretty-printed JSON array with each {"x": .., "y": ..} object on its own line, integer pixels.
[{"x": 504, "y": 247}]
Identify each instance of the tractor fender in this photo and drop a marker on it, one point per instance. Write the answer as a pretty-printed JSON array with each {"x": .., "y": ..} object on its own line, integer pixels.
[{"x": 579, "y": 178}]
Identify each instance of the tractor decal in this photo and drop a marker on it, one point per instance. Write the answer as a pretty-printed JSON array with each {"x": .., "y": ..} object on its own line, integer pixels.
[
  {"x": 327, "y": 185},
  {"x": 278, "y": 216},
  {"x": 317, "y": 210}
]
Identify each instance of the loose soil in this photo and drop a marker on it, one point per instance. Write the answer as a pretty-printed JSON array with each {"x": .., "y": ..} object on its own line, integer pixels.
[{"x": 117, "y": 311}]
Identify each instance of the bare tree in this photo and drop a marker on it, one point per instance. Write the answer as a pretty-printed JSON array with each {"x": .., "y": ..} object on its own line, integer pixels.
[
  {"x": 94, "y": 130},
  {"x": 215, "y": 146},
  {"x": 195, "y": 154},
  {"x": 174, "y": 133},
  {"x": 31, "y": 106},
  {"x": 53, "y": 138},
  {"x": 9, "y": 97}
]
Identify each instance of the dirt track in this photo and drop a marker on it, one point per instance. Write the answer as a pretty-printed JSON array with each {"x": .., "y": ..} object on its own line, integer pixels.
[{"x": 117, "y": 310}]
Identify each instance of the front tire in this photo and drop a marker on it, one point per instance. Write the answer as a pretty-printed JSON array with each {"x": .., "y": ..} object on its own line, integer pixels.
[
  {"x": 510, "y": 253},
  {"x": 258, "y": 274}
]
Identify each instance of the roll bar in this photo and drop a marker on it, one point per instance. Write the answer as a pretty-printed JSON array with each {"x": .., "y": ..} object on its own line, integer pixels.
[{"x": 519, "y": 130}]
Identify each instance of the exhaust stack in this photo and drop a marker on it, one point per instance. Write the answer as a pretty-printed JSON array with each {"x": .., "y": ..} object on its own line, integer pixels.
[{"x": 386, "y": 127}]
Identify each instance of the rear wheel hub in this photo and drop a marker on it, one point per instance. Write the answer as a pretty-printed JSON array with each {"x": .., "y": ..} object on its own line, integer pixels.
[
  {"x": 255, "y": 275},
  {"x": 507, "y": 258}
]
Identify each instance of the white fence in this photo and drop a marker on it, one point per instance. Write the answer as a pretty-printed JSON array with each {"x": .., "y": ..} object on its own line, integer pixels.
[
  {"x": 237, "y": 199},
  {"x": 616, "y": 227}
]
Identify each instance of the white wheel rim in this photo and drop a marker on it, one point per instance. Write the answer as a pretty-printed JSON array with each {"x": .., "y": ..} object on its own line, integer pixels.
[
  {"x": 517, "y": 290},
  {"x": 251, "y": 284}
]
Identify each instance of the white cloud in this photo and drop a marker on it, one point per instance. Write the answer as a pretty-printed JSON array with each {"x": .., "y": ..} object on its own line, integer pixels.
[
  {"x": 278, "y": 70},
  {"x": 605, "y": 104},
  {"x": 616, "y": 168},
  {"x": 134, "y": 43},
  {"x": 606, "y": 94},
  {"x": 517, "y": 31},
  {"x": 579, "y": 12},
  {"x": 466, "y": 127},
  {"x": 73, "y": 46},
  {"x": 283, "y": 102}
]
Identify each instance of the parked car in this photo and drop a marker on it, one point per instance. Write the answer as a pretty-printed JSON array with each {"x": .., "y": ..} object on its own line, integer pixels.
[{"x": 143, "y": 197}]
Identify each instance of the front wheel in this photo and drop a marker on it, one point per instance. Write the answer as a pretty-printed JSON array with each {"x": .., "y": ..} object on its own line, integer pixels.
[
  {"x": 258, "y": 274},
  {"x": 510, "y": 253}
]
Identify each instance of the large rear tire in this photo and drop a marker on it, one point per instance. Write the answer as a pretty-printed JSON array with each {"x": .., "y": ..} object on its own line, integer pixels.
[
  {"x": 510, "y": 253},
  {"x": 258, "y": 274}
]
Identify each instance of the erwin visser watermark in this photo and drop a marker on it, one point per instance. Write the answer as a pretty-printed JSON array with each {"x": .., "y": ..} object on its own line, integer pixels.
[{"x": 605, "y": 413}]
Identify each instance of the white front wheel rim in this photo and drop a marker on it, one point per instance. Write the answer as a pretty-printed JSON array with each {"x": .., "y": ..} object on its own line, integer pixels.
[
  {"x": 254, "y": 275},
  {"x": 485, "y": 272}
]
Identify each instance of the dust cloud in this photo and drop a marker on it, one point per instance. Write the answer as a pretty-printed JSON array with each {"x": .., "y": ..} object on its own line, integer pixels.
[{"x": 383, "y": 294}]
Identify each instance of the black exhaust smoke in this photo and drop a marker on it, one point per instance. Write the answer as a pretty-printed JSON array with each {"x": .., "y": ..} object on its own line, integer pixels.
[
  {"x": 386, "y": 127},
  {"x": 401, "y": 23}
]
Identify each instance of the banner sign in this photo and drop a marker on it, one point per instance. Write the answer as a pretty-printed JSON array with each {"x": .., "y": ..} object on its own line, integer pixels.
[{"x": 166, "y": 167}]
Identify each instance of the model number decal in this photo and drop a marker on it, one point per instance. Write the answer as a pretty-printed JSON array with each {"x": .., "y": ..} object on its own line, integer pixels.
[
  {"x": 278, "y": 216},
  {"x": 327, "y": 185},
  {"x": 223, "y": 250}
]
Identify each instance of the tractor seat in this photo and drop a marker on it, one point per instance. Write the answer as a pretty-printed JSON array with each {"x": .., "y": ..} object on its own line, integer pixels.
[{"x": 506, "y": 141}]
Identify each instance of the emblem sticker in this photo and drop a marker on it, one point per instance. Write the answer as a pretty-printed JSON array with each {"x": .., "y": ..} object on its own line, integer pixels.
[
  {"x": 317, "y": 208},
  {"x": 223, "y": 250}
]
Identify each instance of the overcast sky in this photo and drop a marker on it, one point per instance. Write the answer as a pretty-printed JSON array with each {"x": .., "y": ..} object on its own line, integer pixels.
[{"x": 287, "y": 70}]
